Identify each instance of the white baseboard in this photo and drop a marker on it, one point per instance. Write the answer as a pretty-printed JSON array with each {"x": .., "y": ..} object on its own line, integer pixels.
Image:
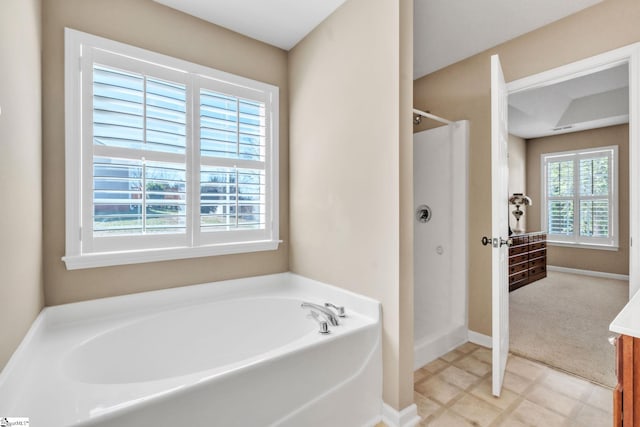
[
  {"x": 588, "y": 272},
  {"x": 408, "y": 417},
  {"x": 480, "y": 339}
]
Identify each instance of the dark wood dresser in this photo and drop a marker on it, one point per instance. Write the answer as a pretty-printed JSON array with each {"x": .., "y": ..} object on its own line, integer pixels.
[{"x": 527, "y": 259}]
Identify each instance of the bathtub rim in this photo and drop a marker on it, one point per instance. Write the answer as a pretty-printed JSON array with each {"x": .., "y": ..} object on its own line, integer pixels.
[{"x": 151, "y": 301}]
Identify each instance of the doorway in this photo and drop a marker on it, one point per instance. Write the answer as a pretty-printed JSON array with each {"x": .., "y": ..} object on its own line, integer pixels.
[{"x": 589, "y": 75}]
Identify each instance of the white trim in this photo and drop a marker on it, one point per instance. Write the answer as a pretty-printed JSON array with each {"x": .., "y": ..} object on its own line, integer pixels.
[
  {"x": 408, "y": 417},
  {"x": 588, "y": 272},
  {"x": 575, "y": 69},
  {"x": 72, "y": 84},
  {"x": 106, "y": 259},
  {"x": 610, "y": 242},
  {"x": 634, "y": 165},
  {"x": 480, "y": 339},
  {"x": 81, "y": 51},
  {"x": 583, "y": 246}
]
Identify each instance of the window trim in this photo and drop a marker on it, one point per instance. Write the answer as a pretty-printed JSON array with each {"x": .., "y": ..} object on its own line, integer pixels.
[
  {"x": 610, "y": 243},
  {"x": 75, "y": 257}
]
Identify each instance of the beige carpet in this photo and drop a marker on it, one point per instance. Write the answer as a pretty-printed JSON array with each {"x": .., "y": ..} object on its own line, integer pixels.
[{"x": 563, "y": 321}]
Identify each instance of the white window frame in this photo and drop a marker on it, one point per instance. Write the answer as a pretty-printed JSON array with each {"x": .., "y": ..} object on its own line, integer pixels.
[
  {"x": 609, "y": 243},
  {"x": 85, "y": 251}
]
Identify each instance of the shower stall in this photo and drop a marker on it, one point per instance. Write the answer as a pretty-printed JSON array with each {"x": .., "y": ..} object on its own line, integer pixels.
[{"x": 440, "y": 179}]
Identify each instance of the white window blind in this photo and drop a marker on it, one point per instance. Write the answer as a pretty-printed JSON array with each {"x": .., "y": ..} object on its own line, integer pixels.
[
  {"x": 580, "y": 196},
  {"x": 173, "y": 159}
]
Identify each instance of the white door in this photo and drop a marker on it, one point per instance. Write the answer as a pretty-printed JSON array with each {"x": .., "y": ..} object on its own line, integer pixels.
[{"x": 499, "y": 223}]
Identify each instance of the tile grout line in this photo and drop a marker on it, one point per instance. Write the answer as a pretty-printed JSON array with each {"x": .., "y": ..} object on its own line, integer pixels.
[{"x": 503, "y": 414}]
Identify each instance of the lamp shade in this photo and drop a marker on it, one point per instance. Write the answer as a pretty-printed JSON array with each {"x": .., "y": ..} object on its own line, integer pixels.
[{"x": 520, "y": 199}]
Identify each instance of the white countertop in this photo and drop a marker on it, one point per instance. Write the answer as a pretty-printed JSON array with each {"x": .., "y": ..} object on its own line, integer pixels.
[{"x": 628, "y": 320}]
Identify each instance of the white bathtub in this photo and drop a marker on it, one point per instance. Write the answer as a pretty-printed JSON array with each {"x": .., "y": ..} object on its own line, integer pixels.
[{"x": 234, "y": 353}]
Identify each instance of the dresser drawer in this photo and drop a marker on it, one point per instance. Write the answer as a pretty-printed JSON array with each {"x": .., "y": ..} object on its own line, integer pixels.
[
  {"x": 537, "y": 272},
  {"x": 520, "y": 249},
  {"x": 516, "y": 268},
  {"x": 517, "y": 259},
  {"x": 537, "y": 262},
  {"x": 537, "y": 245},
  {"x": 518, "y": 277},
  {"x": 519, "y": 240}
]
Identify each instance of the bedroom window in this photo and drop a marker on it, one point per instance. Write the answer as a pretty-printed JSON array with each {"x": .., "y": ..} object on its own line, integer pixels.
[
  {"x": 580, "y": 197},
  {"x": 165, "y": 159}
]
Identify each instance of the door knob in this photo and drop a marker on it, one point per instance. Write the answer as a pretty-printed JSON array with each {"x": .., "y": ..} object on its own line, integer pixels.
[
  {"x": 496, "y": 242},
  {"x": 507, "y": 242}
]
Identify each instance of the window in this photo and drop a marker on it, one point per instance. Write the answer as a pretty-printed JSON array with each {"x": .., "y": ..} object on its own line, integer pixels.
[
  {"x": 165, "y": 159},
  {"x": 580, "y": 197}
]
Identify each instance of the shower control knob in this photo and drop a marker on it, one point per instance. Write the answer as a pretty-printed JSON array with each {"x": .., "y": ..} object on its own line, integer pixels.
[{"x": 423, "y": 213}]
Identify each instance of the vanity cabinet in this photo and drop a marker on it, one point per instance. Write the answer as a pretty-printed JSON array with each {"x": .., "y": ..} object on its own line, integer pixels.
[
  {"x": 527, "y": 259},
  {"x": 626, "y": 395},
  {"x": 626, "y": 413}
]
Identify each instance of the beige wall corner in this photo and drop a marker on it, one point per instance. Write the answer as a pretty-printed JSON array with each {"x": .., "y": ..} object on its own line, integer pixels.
[
  {"x": 345, "y": 94},
  {"x": 461, "y": 91},
  {"x": 616, "y": 262},
  {"x": 149, "y": 25},
  {"x": 518, "y": 177},
  {"x": 20, "y": 173}
]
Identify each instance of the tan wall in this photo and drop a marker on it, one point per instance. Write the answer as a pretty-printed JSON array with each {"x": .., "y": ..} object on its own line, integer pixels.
[
  {"x": 20, "y": 174},
  {"x": 345, "y": 167},
  {"x": 149, "y": 25},
  {"x": 518, "y": 177},
  {"x": 585, "y": 259},
  {"x": 405, "y": 308},
  {"x": 461, "y": 91}
]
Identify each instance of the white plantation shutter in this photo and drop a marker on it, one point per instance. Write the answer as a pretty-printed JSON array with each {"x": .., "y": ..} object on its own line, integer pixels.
[
  {"x": 233, "y": 153},
  {"x": 594, "y": 195},
  {"x": 560, "y": 194},
  {"x": 580, "y": 197},
  {"x": 135, "y": 119},
  {"x": 169, "y": 156}
]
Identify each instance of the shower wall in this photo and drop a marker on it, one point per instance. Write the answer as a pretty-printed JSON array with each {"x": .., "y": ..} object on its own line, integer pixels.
[{"x": 440, "y": 171}]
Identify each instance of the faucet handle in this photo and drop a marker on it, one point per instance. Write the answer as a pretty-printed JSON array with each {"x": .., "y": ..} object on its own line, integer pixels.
[
  {"x": 339, "y": 309},
  {"x": 324, "y": 326}
]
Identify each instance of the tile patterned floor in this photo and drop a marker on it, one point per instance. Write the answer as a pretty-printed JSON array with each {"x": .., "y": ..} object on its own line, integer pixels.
[{"x": 455, "y": 391}]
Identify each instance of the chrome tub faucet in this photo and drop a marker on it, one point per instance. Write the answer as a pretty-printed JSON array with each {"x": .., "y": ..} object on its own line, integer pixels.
[
  {"x": 339, "y": 309},
  {"x": 330, "y": 315}
]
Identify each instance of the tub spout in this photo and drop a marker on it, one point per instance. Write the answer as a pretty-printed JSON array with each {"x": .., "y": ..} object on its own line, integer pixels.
[
  {"x": 331, "y": 317},
  {"x": 339, "y": 309}
]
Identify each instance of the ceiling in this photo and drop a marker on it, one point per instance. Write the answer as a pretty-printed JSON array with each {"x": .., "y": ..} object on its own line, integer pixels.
[
  {"x": 281, "y": 23},
  {"x": 588, "y": 102},
  {"x": 448, "y": 31},
  {"x": 445, "y": 31}
]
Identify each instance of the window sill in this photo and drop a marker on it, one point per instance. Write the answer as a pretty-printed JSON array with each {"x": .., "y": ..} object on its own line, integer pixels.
[
  {"x": 583, "y": 246},
  {"x": 106, "y": 259}
]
